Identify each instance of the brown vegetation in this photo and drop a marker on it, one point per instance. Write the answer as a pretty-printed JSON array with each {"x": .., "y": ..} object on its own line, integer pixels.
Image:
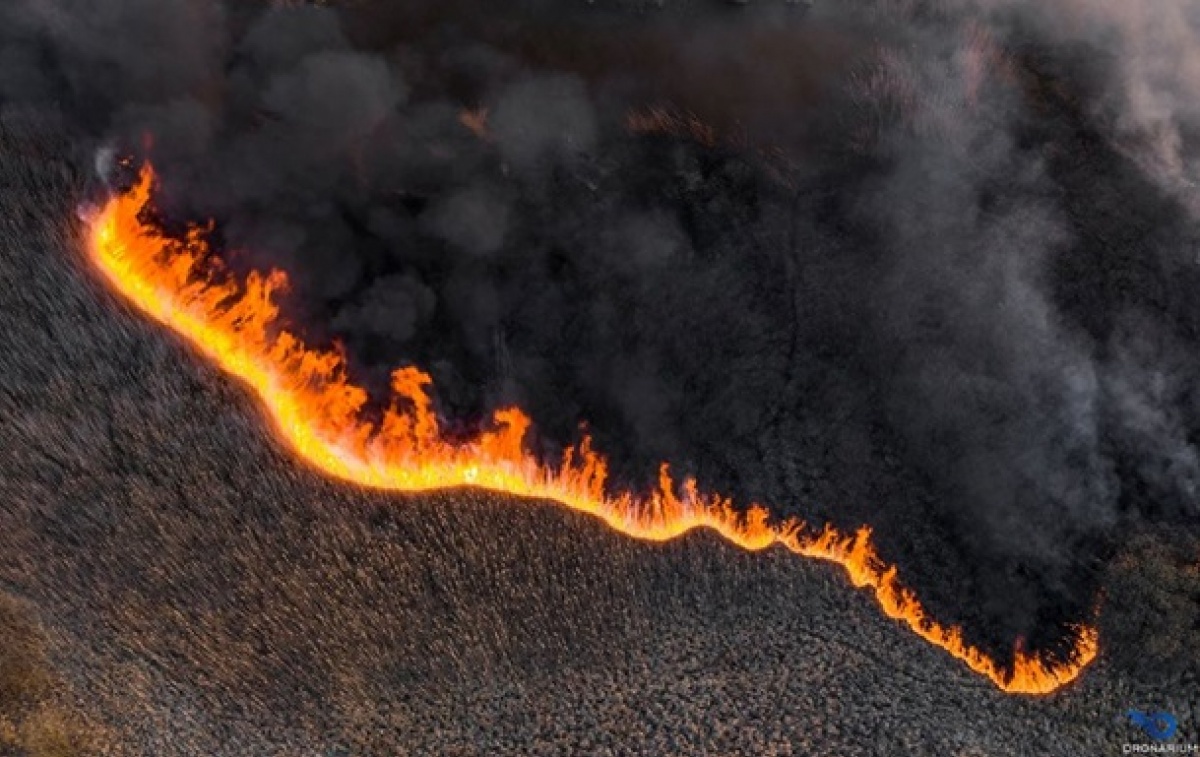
[{"x": 32, "y": 722}]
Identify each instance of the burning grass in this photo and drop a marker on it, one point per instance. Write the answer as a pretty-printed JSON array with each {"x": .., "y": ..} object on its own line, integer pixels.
[
  {"x": 319, "y": 413},
  {"x": 143, "y": 500}
]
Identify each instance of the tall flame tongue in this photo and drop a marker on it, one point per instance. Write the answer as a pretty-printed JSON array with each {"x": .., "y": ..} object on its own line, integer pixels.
[{"x": 320, "y": 413}]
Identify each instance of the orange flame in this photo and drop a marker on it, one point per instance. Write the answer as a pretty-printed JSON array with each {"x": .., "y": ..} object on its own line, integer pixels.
[{"x": 316, "y": 409}]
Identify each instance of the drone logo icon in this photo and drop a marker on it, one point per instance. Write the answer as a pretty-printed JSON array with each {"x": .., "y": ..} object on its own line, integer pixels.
[{"x": 1159, "y": 726}]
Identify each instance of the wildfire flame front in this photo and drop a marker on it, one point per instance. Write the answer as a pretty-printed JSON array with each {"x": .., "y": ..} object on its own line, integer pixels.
[{"x": 319, "y": 413}]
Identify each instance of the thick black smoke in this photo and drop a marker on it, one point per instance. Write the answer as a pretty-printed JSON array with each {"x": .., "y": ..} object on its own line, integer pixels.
[{"x": 928, "y": 265}]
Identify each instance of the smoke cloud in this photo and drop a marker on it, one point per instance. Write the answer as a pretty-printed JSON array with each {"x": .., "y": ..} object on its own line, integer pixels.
[{"x": 931, "y": 265}]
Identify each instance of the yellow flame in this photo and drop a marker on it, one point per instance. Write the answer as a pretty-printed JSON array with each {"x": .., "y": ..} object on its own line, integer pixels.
[{"x": 319, "y": 412}]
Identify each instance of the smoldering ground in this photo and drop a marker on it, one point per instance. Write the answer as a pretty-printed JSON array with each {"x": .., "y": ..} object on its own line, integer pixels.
[{"x": 932, "y": 272}]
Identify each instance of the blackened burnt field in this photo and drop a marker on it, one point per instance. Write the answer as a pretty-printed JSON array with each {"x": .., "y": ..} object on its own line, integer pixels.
[{"x": 953, "y": 302}]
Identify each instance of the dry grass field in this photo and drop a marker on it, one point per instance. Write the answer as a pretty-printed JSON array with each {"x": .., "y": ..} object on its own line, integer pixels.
[{"x": 177, "y": 584}]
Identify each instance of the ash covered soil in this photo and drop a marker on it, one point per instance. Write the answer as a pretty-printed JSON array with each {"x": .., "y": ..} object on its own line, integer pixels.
[{"x": 203, "y": 593}]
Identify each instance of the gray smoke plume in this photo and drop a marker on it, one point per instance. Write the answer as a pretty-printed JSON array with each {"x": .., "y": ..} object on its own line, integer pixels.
[{"x": 928, "y": 265}]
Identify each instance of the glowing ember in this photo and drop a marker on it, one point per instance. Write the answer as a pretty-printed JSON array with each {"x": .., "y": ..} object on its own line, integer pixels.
[
  {"x": 320, "y": 414},
  {"x": 661, "y": 120},
  {"x": 476, "y": 122}
]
